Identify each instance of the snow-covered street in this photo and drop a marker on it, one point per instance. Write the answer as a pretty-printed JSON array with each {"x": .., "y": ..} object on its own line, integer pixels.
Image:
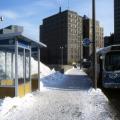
[{"x": 62, "y": 97}]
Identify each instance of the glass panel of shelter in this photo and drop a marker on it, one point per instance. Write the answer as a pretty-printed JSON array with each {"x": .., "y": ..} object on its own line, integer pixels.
[
  {"x": 34, "y": 69},
  {"x": 7, "y": 65},
  {"x": 9, "y": 58},
  {"x": 24, "y": 84},
  {"x": 27, "y": 71},
  {"x": 21, "y": 86}
]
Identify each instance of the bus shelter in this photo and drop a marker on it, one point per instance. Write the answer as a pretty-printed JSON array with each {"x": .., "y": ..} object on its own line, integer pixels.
[{"x": 15, "y": 65}]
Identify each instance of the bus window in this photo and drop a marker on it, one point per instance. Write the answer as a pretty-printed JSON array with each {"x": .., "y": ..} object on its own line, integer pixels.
[{"x": 112, "y": 61}]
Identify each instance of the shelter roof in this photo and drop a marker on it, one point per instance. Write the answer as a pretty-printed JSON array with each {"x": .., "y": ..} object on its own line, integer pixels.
[{"x": 18, "y": 36}]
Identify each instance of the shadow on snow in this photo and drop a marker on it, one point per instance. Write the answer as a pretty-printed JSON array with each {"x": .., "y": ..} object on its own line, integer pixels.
[{"x": 67, "y": 82}]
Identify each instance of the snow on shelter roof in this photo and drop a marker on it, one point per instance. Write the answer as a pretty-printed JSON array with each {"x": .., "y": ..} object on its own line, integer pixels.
[{"x": 19, "y": 36}]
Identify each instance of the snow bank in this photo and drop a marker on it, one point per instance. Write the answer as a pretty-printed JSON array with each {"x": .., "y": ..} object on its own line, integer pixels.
[
  {"x": 44, "y": 70},
  {"x": 93, "y": 91},
  {"x": 8, "y": 105},
  {"x": 97, "y": 106},
  {"x": 97, "y": 92}
]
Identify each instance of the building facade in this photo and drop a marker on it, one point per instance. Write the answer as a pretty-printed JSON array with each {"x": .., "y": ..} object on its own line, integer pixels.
[
  {"x": 117, "y": 21},
  {"x": 62, "y": 33},
  {"x": 87, "y": 33},
  {"x": 108, "y": 40}
]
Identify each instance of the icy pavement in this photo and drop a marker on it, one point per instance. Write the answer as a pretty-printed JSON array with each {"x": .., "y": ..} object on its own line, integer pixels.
[
  {"x": 73, "y": 79},
  {"x": 68, "y": 97}
]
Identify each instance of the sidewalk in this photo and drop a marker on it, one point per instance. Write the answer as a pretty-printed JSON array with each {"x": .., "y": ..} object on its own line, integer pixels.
[{"x": 71, "y": 99}]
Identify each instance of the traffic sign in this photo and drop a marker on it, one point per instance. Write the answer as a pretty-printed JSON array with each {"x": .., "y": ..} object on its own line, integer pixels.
[{"x": 86, "y": 42}]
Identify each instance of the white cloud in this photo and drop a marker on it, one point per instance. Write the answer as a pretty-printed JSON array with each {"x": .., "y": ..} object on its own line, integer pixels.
[
  {"x": 15, "y": 15},
  {"x": 9, "y": 14}
]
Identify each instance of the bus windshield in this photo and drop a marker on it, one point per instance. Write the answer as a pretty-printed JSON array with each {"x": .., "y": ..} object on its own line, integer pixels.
[{"x": 112, "y": 61}]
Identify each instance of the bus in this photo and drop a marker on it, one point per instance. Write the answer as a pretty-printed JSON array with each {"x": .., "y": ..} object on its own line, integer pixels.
[{"x": 108, "y": 67}]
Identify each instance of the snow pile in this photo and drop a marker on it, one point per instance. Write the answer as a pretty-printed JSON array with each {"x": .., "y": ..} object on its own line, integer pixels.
[
  {"x": 11, "y": 105},
  {"x": 93, "y": 91},
  {"x": 49, "y": 78},
  {"x": 44, "y": 70},
  {"x": 97, "y": 106}
]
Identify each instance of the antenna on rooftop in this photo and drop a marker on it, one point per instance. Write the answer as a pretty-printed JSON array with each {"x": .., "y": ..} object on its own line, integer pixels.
[
  {"x": 59, "y": 1},
  {"x": 60, "y": 9}
]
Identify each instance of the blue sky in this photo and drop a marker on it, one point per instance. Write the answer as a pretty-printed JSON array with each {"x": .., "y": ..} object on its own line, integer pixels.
[{"x": 29, "y": 13}]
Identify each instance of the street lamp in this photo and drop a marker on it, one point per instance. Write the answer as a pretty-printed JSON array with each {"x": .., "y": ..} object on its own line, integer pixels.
[
  {"x": 81, "y": 54},
  {"x": 61, "y": 48},
  {"x": 1, "y": 18},
  {"x": 94, "y": 45}
]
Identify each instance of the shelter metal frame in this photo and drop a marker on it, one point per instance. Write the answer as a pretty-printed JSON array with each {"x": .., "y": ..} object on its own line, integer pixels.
[{"x": 28, "y": 46}]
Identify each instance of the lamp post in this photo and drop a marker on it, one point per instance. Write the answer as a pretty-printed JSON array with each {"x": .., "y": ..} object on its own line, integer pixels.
[
  {"x": 81, "y": 54},
  {"x": 1, "y": 18},
  {"x": 61, "y": 48},
  {"x": 94, "y": 45}
]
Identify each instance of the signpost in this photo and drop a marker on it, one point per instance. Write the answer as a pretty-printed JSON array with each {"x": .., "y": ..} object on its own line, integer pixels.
[
  {"x": 94, "y": 45},
  {"x": 86, "y": 42}
]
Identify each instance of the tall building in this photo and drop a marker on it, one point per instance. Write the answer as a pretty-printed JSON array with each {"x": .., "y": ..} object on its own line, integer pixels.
[
  {"x": 87, "y": 33},
  {"x": 62, "y": 33},
  {"x": 108, "y": 40},
  {"x": 117, "y": 21}
]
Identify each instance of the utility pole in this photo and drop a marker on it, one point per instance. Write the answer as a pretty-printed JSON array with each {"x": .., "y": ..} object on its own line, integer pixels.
[{"x": 94, "y": 45}]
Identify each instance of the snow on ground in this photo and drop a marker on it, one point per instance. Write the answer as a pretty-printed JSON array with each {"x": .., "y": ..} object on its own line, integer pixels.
[
  {"x": 44, "y": 70},
  {"x": 52, "y": 81},
  {"x": 78, "y": 72},
  {"x": 60, "y": 104},
  {"x": 48, "y": 76}
]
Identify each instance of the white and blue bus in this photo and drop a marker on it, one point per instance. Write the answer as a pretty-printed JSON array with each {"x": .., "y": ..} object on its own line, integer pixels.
[{"x": 108, "y": 66}]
